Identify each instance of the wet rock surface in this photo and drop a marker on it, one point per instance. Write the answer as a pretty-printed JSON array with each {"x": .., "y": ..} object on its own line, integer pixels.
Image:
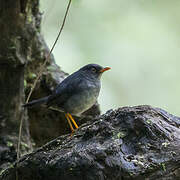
[{"x": 139, "y": 142}]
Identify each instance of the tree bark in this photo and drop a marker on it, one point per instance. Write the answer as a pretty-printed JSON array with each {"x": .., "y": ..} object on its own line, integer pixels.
[
  {"x": 134, "y": 143},
  {"x": 13, "y": 53}
]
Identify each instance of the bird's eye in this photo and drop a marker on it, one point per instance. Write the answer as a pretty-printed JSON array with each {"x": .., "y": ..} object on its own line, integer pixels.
[{"x": 93, "y": 70}]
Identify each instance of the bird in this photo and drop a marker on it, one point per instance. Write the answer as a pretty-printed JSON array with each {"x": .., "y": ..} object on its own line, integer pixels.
[{"x": 75, "y": 94}]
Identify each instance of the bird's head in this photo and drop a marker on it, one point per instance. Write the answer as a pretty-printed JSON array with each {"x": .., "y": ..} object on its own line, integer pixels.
[{"x": 94, "y": 70}]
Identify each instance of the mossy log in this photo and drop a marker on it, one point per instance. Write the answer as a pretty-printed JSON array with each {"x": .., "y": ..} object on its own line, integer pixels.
[{"x": 139, "y": 142}]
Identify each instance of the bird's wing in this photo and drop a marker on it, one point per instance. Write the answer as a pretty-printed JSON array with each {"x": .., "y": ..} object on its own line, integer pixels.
[{"x": 67, "y": 88}]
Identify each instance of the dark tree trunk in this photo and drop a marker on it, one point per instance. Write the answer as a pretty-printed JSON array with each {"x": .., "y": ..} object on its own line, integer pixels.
[
  {"x": 13, "y": 53},
  {"x": 134, "y": 143},
  {"x": 22, "y": 52}
]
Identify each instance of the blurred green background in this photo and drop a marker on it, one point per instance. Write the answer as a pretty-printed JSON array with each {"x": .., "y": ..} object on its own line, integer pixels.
[{"x": 138, "y": 39}]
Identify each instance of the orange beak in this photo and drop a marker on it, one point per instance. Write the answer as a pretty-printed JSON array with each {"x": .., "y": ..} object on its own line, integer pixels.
[{"x": 105, "y": 69}]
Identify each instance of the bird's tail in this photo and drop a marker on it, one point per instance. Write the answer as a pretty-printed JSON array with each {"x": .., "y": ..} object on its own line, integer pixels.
[{"x": 36, "y": 102}]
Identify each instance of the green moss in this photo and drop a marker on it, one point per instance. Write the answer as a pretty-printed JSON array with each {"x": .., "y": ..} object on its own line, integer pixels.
[
  {"x": 32, "y": 75},
  {"x": 138, "y": 163},
  {"x": 163, "y": 166},
  {"x": 24, "y": 145},
  {"x": 25, "y": 83},
  {"x": 8, "y": 166},
  {"x": 121, "y": 134},
  {"x": 149, "y": 121},
  {"x": 29, "y": 18},
  {"x": 1, "y": 172},
  {"x": 51, "y": 68},
  {"x": 150, "y": 167},
  {"x": 12, "y": 47},
  {"x": 131, "y": 173},
  {"x": 165, "y": 144},
  {"x": 9, "y": 144}
]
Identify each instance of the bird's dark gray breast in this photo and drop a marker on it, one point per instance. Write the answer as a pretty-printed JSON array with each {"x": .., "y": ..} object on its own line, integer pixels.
[{"x": 83, "y": 99}]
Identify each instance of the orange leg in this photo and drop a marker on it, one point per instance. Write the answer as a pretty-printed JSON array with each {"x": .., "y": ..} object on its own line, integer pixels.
[
  {"x": 73, "y": 121},
  {"x": 69, "y": 122}
]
